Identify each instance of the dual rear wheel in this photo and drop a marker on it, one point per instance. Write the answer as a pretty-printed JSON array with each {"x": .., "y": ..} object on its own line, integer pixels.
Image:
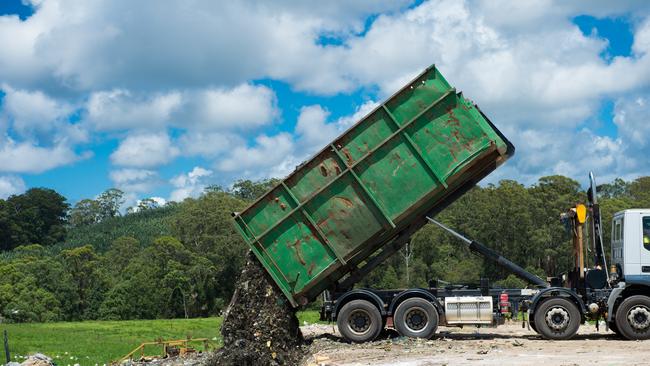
[{"x": 360, "y": 320}]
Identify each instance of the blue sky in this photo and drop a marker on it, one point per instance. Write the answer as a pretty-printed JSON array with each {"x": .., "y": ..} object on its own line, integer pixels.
[{"x": 161, "y": 102}]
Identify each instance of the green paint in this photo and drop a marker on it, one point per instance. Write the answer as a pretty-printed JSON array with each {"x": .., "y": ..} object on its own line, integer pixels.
[{"x": 356, "y": 194}]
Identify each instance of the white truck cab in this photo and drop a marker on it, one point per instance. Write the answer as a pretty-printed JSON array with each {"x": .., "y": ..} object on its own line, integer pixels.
[{"x": 631, "y": 245}]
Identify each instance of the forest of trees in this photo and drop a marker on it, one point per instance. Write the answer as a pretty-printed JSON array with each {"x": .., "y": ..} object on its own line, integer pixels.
[{"x": 89, "y": 261}]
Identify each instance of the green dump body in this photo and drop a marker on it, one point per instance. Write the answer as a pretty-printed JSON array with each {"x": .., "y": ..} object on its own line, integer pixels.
[{"x": 371, "y": 184}]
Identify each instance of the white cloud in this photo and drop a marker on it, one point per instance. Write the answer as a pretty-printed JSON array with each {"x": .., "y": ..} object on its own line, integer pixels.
[
  {"x": 134, "y": 180},
  {"x": 93, "y": 46},
  {"x": 268, "y": 157},
  {"x": 361, "y": 111},
  {"x": 632, "y": 117},
  {"x": 195, "y": 69},
  {"x": 191, "y": 184},
  {"x": 145, "y": 150},
  {"x": 25, "y": 157},
  {"x": 208, "y": 144},
  {"x": 312, "y": 128},
  {"x": 243, "y": 107},
  {"x": 10, "y": 185},
  {"x": 33, "y": 111},
  {"x": 119, "y": 109}
]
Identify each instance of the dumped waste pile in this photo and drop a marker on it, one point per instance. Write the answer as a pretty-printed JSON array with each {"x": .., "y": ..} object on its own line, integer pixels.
[{"x": 259, "y": 327}]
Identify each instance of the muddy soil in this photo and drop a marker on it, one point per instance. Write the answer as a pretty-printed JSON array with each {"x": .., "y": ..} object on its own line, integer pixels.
[
  {"x": 260, "y": 326},
  {"x": 506, "y": 345}
]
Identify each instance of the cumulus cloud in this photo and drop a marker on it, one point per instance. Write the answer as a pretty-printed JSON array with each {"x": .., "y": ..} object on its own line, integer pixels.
[
  {"x": 134, "y": 180},
  {"x": 243, "y": 107},
  {"x": 25, "y": 157},
  {"x": 269, "y": 156},
  {"x": 532, "y": 70},
  {"x": 312, "y": 128},
  {"x": 190, "y": 184},
  {"x": 144, "y": 150},
  {"x": 33, "y": 111},
  {"x": 119, "y": 109},
  {"x": 632, "y": 117},
  {"x": 208, "y": 144},
  {"x": 10, "y": 185}
]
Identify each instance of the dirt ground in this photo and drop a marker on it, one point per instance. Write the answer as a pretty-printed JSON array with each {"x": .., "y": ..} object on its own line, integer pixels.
[{"x": 506, "y": 345}]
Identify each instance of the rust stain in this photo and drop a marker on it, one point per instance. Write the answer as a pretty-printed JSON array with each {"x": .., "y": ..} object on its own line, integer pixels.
[
  {"x": 452, "y": 120},
  {"x": 323, "y": 170},
  {"x": 283, "y": 206},
  {"x": 297, "y": 247},
  {"x": 310, "y": 270},
  {"x": 276, "y": 199},
  {"x": 323, "y": 221},
  {"x": 346, "y": 201},
  {"x": 337, "y": 169},
  {"x": 348, "y": 157}
]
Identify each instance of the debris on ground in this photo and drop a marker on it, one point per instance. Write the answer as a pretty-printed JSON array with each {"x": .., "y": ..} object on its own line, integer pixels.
[
  {"x": 193, "y": 359},
  {"x": 259, "y": 326},
  {"x": 37, "y": 359}
]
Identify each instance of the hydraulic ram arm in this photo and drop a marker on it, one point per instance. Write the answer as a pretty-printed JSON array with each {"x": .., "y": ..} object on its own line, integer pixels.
[{"x": 495, "y": 257}]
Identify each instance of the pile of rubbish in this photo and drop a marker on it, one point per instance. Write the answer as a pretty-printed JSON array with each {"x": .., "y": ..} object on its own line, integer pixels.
[
  {"x": 37, "y": 359},
  {"x": 259, "y": 327}
]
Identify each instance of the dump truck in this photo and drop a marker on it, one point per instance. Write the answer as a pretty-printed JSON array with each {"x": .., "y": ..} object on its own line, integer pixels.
[{"x": 359, "y": 200}]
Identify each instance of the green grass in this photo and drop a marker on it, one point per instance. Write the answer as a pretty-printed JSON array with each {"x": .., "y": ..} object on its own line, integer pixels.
[{"x": 99, "y": 342}]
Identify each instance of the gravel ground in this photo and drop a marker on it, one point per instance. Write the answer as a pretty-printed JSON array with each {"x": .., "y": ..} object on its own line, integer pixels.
[{"x": 506, "y": 345}]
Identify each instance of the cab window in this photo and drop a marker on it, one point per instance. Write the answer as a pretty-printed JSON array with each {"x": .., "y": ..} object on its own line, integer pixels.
[{"x": 646, "y": 232}]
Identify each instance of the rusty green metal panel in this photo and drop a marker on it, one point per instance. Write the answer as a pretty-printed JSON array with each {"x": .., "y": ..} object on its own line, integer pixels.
[{"x": 369, "y": 184}]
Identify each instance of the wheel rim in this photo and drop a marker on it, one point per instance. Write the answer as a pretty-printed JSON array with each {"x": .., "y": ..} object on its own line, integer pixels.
[
  {"x": 639, "y": 318},
  {"x": 359, "y": 321},
  {"x": 416, "y": 319},
  {"x": 557, "y": 318}
]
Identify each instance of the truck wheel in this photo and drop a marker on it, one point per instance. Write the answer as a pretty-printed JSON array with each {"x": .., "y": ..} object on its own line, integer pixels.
[
  {"x": 633, "y": 317},
  {"x": 417, "y": 318},
  {"x": 557, "y": 318},
  {"x": 359, "y": 321}
]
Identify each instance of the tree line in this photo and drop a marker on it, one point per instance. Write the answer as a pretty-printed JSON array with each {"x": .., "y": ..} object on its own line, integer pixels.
[{"x": 90, "y": 261}]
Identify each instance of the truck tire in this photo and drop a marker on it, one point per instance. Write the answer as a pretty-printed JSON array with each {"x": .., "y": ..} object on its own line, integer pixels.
[
  {"x": 633, "y": 317},
  {"x": 416, "y": 318},
  {"x": 557, "y": 318},
  {"x": 359, "y": 321}
]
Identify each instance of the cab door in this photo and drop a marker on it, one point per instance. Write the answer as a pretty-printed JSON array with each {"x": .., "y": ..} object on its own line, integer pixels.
[{"x": 642, "y": 240}]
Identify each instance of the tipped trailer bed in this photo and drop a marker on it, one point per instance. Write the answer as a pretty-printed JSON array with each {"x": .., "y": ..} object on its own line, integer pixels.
[{"x": 357, "y": 201}]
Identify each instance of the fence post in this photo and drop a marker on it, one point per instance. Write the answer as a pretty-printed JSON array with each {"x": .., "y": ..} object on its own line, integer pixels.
[{"x": 7, "y": 347}]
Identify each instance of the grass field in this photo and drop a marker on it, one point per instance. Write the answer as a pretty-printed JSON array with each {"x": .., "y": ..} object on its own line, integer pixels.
[{"x": 99, "y": 342}]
